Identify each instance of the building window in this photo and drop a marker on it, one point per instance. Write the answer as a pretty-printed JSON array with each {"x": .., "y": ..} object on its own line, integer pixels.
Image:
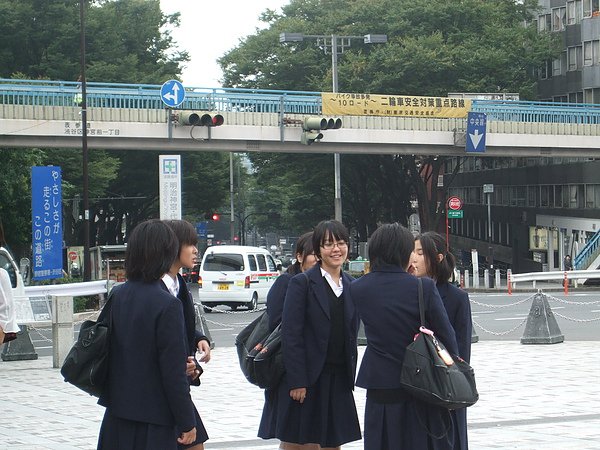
[
  {"x": 592, "y": 196},
  {"x": 596, "y": 51},
  {"x": 591, "y": 8},
  {"x": 544, "y": 22},
  {"x": 574, "y": 12},
  {"x": 558, "y": 18},
  {"x": 575, "y": 57},
  {"x": 588, "y": 54},
  {"x": 556, "y": 68}
]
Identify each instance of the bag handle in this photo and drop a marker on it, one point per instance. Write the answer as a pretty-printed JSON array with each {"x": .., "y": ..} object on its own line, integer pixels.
[{"x": 421, "y": 302}]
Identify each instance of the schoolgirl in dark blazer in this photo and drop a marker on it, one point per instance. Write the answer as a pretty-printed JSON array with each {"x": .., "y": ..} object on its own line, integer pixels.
[
  {"x": 147, "y": 399},
  {"x": 432, "y": 259},
  {"x": 305, "y": 259},
  {"x": 388, "y": 304},
  {"x": 319, "y": 332},
  {"x": 196, "y": 341}
]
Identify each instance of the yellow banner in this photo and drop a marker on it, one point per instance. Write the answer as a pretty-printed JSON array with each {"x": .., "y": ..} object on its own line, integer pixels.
[{"x": 393, "y": 105}]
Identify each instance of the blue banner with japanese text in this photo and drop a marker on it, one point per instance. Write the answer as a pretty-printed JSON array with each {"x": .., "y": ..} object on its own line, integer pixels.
[{"x": 46, "y": 222}]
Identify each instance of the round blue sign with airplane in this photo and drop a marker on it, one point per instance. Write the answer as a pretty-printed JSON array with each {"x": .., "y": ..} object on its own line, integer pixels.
[{"x": 172, "y": 93}]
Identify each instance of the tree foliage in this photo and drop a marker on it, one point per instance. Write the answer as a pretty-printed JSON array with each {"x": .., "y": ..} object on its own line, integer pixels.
[
  {"x": 434, "y": 47},
  {"x": 127, "y": 41}
]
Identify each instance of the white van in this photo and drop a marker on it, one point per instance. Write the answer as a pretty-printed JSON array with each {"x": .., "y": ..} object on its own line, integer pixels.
[{"x": 235, "y": 275}]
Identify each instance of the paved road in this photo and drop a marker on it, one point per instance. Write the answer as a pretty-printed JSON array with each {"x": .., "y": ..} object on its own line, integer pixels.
[{"x": 496, "y": 315}]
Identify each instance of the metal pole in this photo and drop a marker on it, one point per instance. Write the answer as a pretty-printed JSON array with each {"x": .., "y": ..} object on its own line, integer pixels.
[
  {"x": 232, "y": 222},
  {"x": 336, "y": 156},
  {"x": 86, "y": 201}
]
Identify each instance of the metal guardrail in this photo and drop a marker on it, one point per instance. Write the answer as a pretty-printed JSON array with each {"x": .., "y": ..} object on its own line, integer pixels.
[
  {"x": 553, "y": 276},
  {"x": 69, "y": 290},
  {"x": 147, "y": 96}
]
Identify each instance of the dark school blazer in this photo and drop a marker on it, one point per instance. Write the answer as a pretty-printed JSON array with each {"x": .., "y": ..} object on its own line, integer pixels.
[
  {"x": 275, "y": 299},
  {"x": 306, "y": 327},
  {"x": 388, "y": 304},
  {"x": 458, "y": 308},
  {"x": 148, "y": 351}
]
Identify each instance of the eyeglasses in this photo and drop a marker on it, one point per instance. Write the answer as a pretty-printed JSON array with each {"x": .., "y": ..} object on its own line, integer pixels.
[{"x": 330, "y": 245}]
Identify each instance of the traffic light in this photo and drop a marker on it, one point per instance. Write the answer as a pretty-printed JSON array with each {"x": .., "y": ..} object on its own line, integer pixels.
[
  {"x": 200, "y": 119},
  {"x": 312, "y": 126},
  {"x": 212, "y": 216}
]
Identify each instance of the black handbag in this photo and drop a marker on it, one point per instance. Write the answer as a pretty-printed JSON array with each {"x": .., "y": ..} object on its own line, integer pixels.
[
  {"x": 86, "y": 364},
  {"x": 430, "y": 374},
  {"x": 260, "y": 354}
]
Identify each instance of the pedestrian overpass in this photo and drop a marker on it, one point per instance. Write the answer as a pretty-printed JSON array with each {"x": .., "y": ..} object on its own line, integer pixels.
[{"x": 42, "y": 113}]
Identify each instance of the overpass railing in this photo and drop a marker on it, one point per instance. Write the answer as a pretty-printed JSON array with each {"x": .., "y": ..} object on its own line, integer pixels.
[
  {"x": 588, "y": 253},
  {"x": 147, "y": 96}
]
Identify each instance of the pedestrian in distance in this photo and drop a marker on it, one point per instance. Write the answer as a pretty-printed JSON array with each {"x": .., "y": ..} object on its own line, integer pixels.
[
  {"x": 431, "y": 259},
  {"x": 388, "y": 303},
  {"x": 568, "y": 263},
  {"x": 315, "y": 404},
  {"x": 8, "y": 317},
  {"x": 305, "y": 258},
  {"x": 195, "y": 340},
  {"x": 147, "y": 397}
]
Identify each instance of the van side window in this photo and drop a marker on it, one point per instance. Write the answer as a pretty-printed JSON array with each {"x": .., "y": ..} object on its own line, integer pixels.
[
  {"x": 262, "y": 264},
  {"x": 223, "y": 262},
  {"x": 252, "y": 263},
  {"x": 271, "y": 264}
]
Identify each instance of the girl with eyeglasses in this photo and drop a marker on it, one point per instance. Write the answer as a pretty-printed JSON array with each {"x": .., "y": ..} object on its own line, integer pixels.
[{"x": 315, "y": 408}]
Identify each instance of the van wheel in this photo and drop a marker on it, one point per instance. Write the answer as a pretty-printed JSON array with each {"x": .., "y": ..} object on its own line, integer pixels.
[{"x": 253, "y": 304}]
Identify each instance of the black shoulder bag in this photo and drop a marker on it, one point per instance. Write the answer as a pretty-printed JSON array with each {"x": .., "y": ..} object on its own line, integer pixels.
[
  {"x": 260, "y": 354},
  {"x": 86, "y": 364},
  {"x": 430, "y": 374}
]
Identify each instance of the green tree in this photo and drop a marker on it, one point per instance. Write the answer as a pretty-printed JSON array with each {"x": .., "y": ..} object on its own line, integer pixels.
[
  {"x": 434, "y": 47},
  {"x": 127, "y": 41}
]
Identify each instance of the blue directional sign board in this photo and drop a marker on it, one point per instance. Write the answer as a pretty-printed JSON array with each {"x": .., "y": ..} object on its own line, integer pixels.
[
  {"x": 476, "y": 129},
  {"x": 172, "y": 93},
  {"x": 46, "y": 222}
]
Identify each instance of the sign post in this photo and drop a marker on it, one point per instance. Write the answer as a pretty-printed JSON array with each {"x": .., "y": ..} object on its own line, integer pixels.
[{"x": 453, "y": 211}]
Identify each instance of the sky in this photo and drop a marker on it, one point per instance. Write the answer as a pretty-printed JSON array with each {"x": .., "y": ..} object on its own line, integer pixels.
[{"x": 208, "y": 29}]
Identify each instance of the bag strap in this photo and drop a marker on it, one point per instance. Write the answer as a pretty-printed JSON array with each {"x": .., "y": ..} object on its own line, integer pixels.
[{"x": 421, "y": 302}]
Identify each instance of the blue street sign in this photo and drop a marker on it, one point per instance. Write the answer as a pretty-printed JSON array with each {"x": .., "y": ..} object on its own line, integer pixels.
[
  {"x": 172, "y": 93},
  {"x": 476, "y": 128},
  {"x": 201, "y": 229},
  {"x": 46, "y": 222}
]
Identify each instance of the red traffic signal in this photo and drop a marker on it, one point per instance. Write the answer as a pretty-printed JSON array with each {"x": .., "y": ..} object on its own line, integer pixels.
[
  {"x": 212, "y": 216},
  {"x": 199, "y": 119}
]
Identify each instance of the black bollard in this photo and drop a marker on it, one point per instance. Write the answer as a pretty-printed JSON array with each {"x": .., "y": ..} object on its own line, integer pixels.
[
  {"x": 541, "y": 326},
  {"x": 21, "y": 348}
]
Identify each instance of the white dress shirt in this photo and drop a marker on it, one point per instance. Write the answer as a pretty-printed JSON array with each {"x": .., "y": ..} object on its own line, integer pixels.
[
  {"x": 171, "y": 283},
  {"x": 337, "y": 290}
]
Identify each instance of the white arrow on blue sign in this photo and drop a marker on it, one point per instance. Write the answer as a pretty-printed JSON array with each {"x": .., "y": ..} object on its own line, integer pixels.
[
  {"x": 172, "y": 93},
  {"x": 476, "y": 129}
]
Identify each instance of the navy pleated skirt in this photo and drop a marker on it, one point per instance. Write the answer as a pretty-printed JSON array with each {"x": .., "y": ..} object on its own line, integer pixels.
[
  {"x": 407, "y": 425},
  {"x": 327, "y": 417},
  {"x": 122, "y": 434}
]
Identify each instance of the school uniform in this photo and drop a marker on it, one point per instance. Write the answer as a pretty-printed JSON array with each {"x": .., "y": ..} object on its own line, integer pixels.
[
  {"x": 458, "y": 307},
  {"x": 147, "y": 399},
  {"x": 319, "y": 333},
  {"x": 193, "y": 336},
  {"x": 387, "y": 301}
]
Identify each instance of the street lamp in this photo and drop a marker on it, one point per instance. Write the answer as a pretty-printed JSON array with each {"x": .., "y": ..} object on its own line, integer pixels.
[{"x": 334, "y": 44}]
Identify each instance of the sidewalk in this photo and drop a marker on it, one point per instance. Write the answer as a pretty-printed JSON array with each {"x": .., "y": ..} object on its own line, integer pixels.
[{"x": 531, "y": 396}]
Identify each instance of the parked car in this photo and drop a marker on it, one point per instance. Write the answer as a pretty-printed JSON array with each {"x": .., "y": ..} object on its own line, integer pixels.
[{"x": 235, "y": 275}]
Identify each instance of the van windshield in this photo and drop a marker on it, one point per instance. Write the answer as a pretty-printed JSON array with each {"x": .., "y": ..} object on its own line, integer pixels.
[{"x": 224, "y": 262}]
